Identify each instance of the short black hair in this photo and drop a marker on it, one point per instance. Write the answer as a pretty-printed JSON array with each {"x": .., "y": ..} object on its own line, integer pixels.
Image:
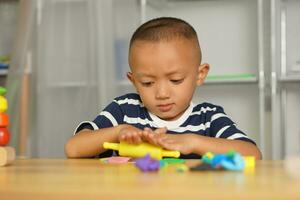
[{"x": 165, "y": 29}]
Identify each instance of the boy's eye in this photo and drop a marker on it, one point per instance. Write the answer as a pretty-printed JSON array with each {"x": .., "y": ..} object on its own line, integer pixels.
[
  {"x": 177, "y": 81},
  {"x": 147, "y": 84}
]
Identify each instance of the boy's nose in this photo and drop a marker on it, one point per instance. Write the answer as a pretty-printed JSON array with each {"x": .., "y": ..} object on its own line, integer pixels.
[{"x": 162, "y": 92}]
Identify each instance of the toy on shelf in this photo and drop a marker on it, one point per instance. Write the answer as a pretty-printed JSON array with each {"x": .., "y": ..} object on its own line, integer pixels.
[
  {"x": 140, "y": 150},
  {"x": 4, "y": 133},
  {"x": 7, "y": 154},
  {"x": 4, "y": 62}
]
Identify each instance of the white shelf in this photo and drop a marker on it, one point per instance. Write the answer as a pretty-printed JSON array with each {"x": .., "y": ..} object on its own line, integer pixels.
[
  {"x": 3, "y": 72},
  {"x": 290, "y": 78},
  {"x": 232, "y": 81},
  {"x": 69, "y": 85}
]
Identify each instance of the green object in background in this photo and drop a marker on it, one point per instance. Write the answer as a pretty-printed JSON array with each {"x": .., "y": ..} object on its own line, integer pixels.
[
  {"x": 2, "y": 90},
  {"x": 4, "y": 58},
  {"x": 230, "y": 76}
]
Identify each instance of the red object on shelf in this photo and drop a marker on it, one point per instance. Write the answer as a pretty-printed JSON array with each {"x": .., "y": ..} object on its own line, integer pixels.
[
  {"x": 4, "y": 120},
  {"x": 4, "y": 136}
]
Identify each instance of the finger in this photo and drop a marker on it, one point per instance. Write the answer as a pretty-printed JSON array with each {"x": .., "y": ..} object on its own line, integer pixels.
[
  {"x": 155, "y": 139},
  {"x": 146, "y": 134},
  {"x": 136, "y": 138},
  {"x": 170, "y": 146},
  {"x": 164, "y": 140},
  {"x": 133, "y": 137},
  {"x": 122, "y": 137},
  {"x": 139, "y": 138},
  {"x": 161, "y": 130},
  {"x": 128, "y": 138},
  {"x": 150, "y": 138},
  {"x": 147, "y": 129}
]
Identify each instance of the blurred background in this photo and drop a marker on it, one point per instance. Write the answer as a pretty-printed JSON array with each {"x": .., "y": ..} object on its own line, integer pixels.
[{"x": 62, "y": 61}]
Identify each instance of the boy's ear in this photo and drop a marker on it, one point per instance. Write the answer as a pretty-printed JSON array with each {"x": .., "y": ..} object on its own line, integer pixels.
[
  {"x": 202, "y": 73},
  {"x": 130, "y": 77}
]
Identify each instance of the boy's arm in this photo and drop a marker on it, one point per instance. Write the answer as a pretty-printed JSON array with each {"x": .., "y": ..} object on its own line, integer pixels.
[
  {"x": 192, "y": 143},
  {"x": 204, "y": 144},
  {"x": 89, "y": 143}
]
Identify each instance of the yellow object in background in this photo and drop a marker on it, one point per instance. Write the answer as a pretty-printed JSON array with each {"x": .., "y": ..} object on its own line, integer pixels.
[
  {"x": 3, "y": 104},
  {"x": 140, "y": 150}
]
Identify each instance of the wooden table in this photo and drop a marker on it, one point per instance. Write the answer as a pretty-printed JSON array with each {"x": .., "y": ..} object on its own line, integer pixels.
[{"x": 91, "y": 179}]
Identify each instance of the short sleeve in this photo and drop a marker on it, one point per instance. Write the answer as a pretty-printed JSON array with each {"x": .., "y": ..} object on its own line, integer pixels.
[
  {"x": 111, "y": 116},
  {"x": 221, "y": 126}
]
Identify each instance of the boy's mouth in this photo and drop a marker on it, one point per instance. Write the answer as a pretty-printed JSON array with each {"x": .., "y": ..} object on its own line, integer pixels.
[{"x": 165, "y": 107}]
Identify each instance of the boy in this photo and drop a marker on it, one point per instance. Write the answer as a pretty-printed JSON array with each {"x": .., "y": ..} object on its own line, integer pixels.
[{"x": 165, "y": 63}]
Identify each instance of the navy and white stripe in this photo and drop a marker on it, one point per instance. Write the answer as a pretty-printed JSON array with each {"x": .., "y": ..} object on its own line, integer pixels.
[{"x": 203, "y": 119}]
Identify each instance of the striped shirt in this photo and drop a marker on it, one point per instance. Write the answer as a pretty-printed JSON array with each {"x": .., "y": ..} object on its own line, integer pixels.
[{"x": 203, "y": 119}]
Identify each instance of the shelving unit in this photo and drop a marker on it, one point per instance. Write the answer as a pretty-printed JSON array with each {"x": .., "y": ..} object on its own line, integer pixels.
[
  {"x": 231, "y": 79},
  {"x": 285, "y": 77},
  {"x": 8, "y": 25}
]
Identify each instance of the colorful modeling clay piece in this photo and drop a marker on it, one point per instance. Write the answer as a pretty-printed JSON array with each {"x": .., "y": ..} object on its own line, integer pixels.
[
  {"x": 229, "y": 161},
  {"x": 173, "y": 160},
  {"x": 147, "y": 164},
  {"x": 202, "y": 167},
  {"x": 166, "y": 161},
  {"x": 115, "y": 160},
  {"x": 182, "y": 168},
  {"x": 140, "y": 150}
]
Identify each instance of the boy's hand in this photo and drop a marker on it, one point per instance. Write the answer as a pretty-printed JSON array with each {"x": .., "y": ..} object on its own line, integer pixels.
[
  {"x": 134, "y": 135},
  {"x": 151, "y": 136},
  {"x": 130, "y": 134},
  {"x": 185, "y": 143}
]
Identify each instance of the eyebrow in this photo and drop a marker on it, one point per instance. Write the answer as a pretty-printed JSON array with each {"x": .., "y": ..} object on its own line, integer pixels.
[{"x": 139, "y": 74}]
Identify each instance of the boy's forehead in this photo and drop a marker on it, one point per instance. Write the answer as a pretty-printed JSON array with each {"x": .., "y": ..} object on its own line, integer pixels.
[{"x": 141, "y": 49}]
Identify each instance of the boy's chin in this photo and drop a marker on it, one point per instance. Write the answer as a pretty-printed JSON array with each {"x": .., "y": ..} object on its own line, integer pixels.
[{"x": 167, "y": 117}]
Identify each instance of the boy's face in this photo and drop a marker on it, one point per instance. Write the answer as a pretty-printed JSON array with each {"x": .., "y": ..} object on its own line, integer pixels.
[{"x": 165, "y": 74}]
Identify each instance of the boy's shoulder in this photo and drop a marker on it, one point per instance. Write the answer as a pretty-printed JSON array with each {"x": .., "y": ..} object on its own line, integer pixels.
[
  {"x": 129, "y": 100},
  {"x": 129, "y": 96},
  {"x": 207, "y": 107}
]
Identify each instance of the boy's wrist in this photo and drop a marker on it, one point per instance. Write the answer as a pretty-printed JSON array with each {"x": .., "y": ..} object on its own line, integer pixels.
[
  {"x": 196, "y": 144},
  {"x": 121, "y": 127}
]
